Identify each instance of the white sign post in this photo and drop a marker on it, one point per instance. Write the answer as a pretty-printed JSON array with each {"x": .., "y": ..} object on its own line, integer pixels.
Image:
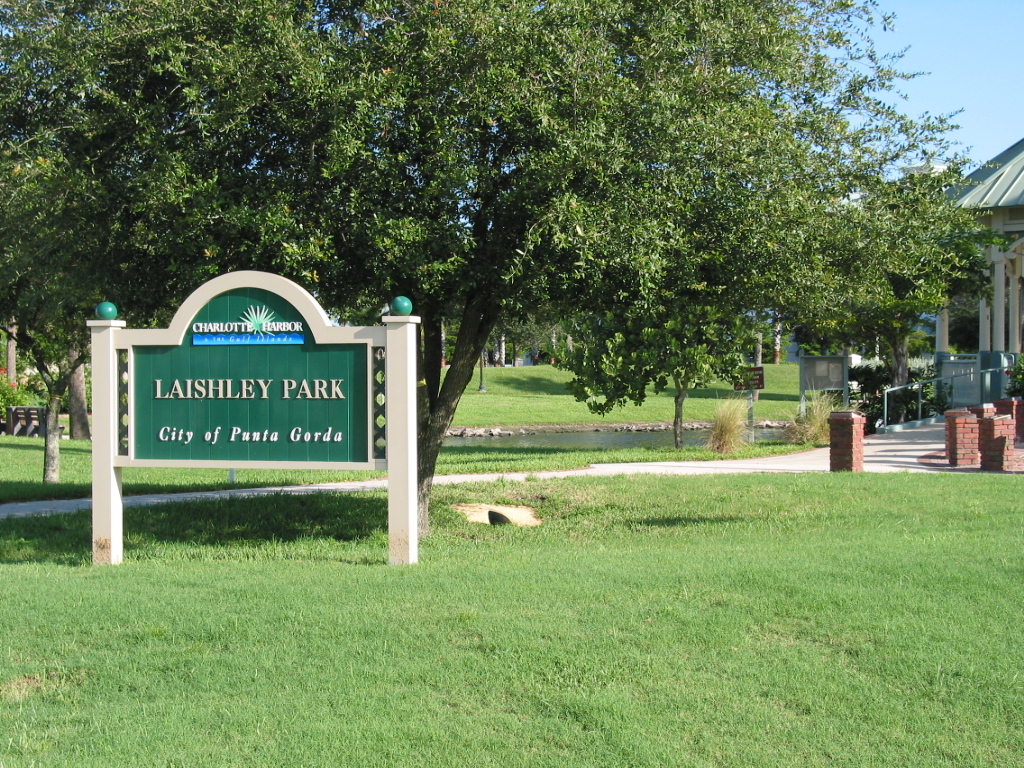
[
  {"x": 107, "y": 506},
  {"x": 400, "y": 376},
  {"x": 212, "y": 410}
]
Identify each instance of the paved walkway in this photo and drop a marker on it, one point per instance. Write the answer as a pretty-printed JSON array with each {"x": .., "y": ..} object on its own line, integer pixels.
[{"x": 914, "y": 450}]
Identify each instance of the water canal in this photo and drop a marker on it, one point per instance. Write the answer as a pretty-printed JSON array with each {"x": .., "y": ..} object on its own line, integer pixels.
[{"x": 595, "y": 440}]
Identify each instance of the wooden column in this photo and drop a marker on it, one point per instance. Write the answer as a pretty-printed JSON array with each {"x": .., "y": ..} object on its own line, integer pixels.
[
  {"x": 999, "y": 304},
  {"x": 1013, "y": 289}
]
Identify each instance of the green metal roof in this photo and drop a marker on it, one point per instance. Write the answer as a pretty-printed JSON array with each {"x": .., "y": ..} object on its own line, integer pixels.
[{"x": 999, "y": 183}]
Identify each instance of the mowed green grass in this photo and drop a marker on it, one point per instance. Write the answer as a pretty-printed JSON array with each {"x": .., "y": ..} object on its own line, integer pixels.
[
  {"x": 21, "y": 473},
  {"x": 807, "y": 620},
  {"x": 537, "y": 395},
  {"x": 22, "y": 467},
  {"x": 515, "y": 396}
]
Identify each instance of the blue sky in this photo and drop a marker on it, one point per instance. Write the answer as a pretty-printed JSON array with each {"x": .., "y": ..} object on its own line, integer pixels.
[{"x": 972, "y": 51}]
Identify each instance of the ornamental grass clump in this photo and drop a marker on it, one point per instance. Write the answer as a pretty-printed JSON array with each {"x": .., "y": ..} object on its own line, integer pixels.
[
  {"x": 728, "y": 427},
  {"x": 812, "y": 427}
]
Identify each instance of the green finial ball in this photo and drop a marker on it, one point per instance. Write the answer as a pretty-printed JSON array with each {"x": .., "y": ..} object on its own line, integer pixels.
[
  {"x": 401, "y": 306},
  {"x": 106, "y": 311}
]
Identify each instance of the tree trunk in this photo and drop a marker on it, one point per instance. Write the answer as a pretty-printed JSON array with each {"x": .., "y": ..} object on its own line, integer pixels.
[
  {"x": 682, "y": 390},
  {"x": 438, "y": 400},
  {"x": 777, "y": 344},
  {"x": 56, "y": 379},
  {"x": 500, "y": 356},
  {"x": 78, "y": 406},
  {"x": 444, "y": 342},
  {"x": 12, "y": 354},
  {"x": 51, "y": 457},
  {"x": 900, "y": 361},
  {"x": 758, "y": 357}
]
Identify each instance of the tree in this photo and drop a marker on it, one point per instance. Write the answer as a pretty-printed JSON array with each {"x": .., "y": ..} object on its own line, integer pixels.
[
  {"x": 78, "y": 403},
  {"x": 618, "y": 355},
  {"x": 481, "y": 157},
  {"x": 101, "y": 194},
  {"x": 48, "y": 302},
  {"x": 515, "y": 153},
  {"x": 964, "y": 323},
  {"x": 11, "y": 347},
  {"x": 903, "y": 247}
]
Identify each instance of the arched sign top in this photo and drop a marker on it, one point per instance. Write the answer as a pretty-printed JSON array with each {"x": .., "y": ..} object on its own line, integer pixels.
[{"x": 305, "y": 304}]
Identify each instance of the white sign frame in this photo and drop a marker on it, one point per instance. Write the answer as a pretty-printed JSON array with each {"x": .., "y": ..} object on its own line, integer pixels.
[{"x": 397, "y": 336}]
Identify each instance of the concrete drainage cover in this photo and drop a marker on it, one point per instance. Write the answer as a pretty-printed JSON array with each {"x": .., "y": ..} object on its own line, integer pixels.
[{"x": 496, "y": 514}]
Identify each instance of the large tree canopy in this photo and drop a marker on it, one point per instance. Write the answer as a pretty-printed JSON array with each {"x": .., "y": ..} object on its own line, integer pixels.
[
  {"x": 902, "y": 249},
  {"x": 481, "y": 157}
]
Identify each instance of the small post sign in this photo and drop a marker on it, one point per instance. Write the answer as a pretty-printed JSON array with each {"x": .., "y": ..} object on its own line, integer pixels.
[
  {"x": 252, "y": 373},
  {"x": 752, "y": 379}
]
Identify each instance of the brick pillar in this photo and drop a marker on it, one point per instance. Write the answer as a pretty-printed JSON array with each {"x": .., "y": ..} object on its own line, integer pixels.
[
  {"x": 962, "y": 438},
  {"x": 985, "y": 411},
  {"x": 1014, "y": 407},
  {"x": 996, "y": 442},
  {"x": 846, "y": 438}
]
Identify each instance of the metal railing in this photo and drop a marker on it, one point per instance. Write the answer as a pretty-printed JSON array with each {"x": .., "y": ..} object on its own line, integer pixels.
[{"x": 974, "y": 399}]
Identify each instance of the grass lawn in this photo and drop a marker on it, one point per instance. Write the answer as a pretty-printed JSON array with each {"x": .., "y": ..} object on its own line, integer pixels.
[
  {"x": 537, "y": 395},
  {"x": 808, "y": 620},
  {"x": 531, "y": 395},
  {"x": 22, "y": 463}
]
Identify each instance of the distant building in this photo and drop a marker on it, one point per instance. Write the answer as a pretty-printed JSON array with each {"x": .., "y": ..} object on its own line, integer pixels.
[{"x": 996, "y": 192}]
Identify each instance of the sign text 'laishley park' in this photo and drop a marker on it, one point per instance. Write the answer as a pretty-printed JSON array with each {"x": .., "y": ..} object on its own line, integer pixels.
[
  {"x": 251, "y": 372},
  {"x": 249, "y": 389}
]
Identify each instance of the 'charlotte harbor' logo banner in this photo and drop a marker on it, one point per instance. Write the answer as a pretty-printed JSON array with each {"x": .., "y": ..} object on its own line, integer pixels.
[{"x": 258, "y": 325}]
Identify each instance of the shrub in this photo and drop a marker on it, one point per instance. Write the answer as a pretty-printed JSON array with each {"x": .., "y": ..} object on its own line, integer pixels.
[
  {"x": 1015, "y": 386},
  {"x": 728, "y": 427},
  {"x": 11, "y": 395},
  {"x": 812, "y": 427},
  {"x": 870, "y": 380}
]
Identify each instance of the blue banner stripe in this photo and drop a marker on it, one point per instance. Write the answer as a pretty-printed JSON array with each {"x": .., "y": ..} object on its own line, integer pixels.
[{"x": 219, "y": 339}]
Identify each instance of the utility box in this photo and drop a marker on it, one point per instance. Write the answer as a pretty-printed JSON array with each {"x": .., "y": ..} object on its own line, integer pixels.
[{"x": 825, "y": 373}]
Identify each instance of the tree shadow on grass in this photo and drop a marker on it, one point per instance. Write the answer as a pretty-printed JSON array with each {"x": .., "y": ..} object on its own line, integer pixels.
[
  {"x": 37, "y": 444},
  {"x": 541, "y": 387},
  {"x": 23, "y": 444},
  {"x": 538, "y": 386},
  {"x": 687, "y": 520},
  {"x": 33, "y": 490},
  {"x": 66, "y": 539},
  {"x": 61, "y": 539},
  {"x": 722, "y": 393},
  {"x": 515, "y": 457}
]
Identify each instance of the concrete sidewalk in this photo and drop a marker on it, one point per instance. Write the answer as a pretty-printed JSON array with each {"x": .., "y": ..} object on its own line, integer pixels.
[{"x": 912, "y": 450}]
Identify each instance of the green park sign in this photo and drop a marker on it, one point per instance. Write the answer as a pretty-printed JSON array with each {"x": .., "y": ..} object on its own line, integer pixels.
[
  {"x": 250, "y": 383},
  {"x": 251, "y": 372}
]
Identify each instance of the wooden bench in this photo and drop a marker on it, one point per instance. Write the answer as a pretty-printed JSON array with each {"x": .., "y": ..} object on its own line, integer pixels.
[{"x": 26, "y": 421}]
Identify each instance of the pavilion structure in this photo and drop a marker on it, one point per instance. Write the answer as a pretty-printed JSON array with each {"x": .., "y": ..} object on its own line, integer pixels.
[{"x": 996, "y": 192}]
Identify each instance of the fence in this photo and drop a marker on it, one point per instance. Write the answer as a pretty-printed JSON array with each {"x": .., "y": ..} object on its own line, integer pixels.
[{"x": 954, "y": 391}]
